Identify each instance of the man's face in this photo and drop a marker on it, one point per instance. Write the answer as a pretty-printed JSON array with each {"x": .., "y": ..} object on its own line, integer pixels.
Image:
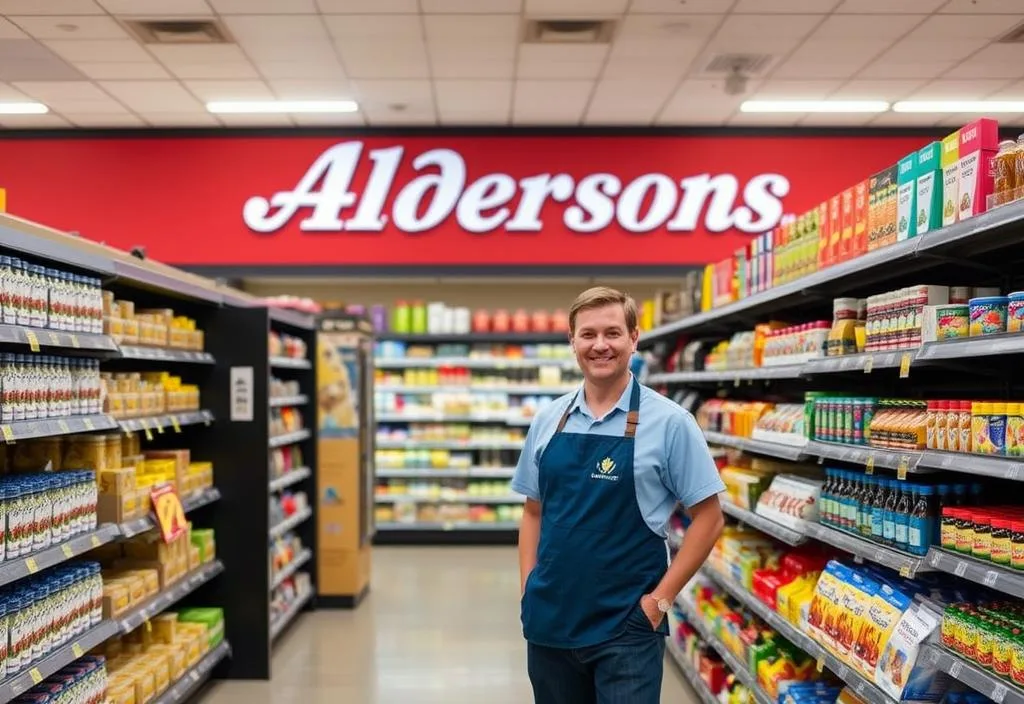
[{"x": 602, "y": 342}]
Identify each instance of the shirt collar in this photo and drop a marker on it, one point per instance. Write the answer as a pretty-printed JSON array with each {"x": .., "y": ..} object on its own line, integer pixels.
[{"x": 579, "y": 404}]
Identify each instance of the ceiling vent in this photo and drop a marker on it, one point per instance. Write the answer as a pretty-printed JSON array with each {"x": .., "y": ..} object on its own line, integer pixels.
[
  {"x": 178, "y": 31},
  {"x": 1014, "y": 36},
  {"x": 745, "y": 64},
  {"x": 569, "y": 31}
]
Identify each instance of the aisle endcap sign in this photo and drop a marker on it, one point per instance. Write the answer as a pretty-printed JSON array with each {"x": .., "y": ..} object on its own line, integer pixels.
[{"x": 326, "y": 202}]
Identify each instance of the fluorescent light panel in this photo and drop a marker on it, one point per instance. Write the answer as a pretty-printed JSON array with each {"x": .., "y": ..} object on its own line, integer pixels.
[
  {"x": 282, "y": 106},
  {"x": 954, "y": 106},
  {"x": 23, "y": 109},
  {"x": 814, "y": 106}
]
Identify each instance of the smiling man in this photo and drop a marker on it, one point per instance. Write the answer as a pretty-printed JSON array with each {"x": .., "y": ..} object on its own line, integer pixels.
[{"x": 602, "y": 470}]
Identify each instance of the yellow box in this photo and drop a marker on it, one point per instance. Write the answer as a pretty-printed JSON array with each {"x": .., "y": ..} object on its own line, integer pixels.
[{"x": 117, "y": 482}]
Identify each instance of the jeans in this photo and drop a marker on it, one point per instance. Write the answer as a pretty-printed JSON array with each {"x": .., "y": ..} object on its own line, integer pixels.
[{"x": 624, "y": 670}]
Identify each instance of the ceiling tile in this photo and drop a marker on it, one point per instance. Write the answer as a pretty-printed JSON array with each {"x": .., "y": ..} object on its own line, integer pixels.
[
  {"x": 49, "y": 7},
  {"x": 296, "y": 50},
  {"x": 704, "y": 97},
  {"x": 676, "y": 7},
  {"x": 964, "y": 89},
  {"x": 621, "y": 102},
  {"x": 70, "y": 27},
  {"x": 555, "y": 62},
  {"x": 451, "y": 67},
  {"x": 836, "y": 120},
  {"x": 965, "y": 27},
  {"x": 162, "y": 118},
  {"x": 416, "y": 117},
  {"x": 9, "y": 92},
  {"x": 972, "y": 7},
  {"x": 551, "y": 102},
  {"x": 480, "y": 115},
  {"x": 153, "y": 96},
  {"x": 120, "y": 119},
  {"x": 60, "y": 94},
  {"x": 33, "y": 121},
  {"x": 373, "y": 27},
  {"x": 548, "y": 8},
  {"x": 890, "y": 91},
  {"x": 213, "y": 71},
  {"x": 830, "y": 58},
  {"x": 121, "y": 71},
  {"x": 263, "y": 7},
  {"x": 777, "y": 26},
  {"x": 374, "y": 59},
  {"x": 276, "y": 27},
  {"x": 120, "y": 50},
  {"x": 849, "y": 27},
  {"x": 795, "y": 90},
  {"x": 192, "y": 8},
  {"x": 668, "y": 28},
  {"x": 300, "y": 69},
  {"x": 906, "y": 69},
  {"x": 395, "y": 102},
  {"x": 698, "y": 117},
  {"x": 786, "y": 6},
  {"x": 185, "y": 54},
  {"x": 993, "y": 61},
  {"x": 267, "y": 120},
  {"x": 476, "y": 6},
  {"x": 359, "y": 7},
  {"x": 230, "y": 90},
  {"x": 468, "y": 95},
  {"x": 306, "y": 89},
  {"x": 619, "y": 67},
  {"x": 8, "y": 30},
  {"x": 28, "y": 60},
  {"x": 745, "y": 119},
  {"x": 889, "y": 6},
  {"x": 471, "y": 28},
  {"x": 902, "y": 119},
  {"x": 351, "y": 119}
]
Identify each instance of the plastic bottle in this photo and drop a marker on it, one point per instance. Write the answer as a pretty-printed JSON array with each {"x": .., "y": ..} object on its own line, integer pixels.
[
  {"x": 878, "y": 509},
  {"x": 966, "y": 443},
  {"x": 889, "y": 514},
  {"x": 931, "y": 425},
  {"x": 842, "y": 487},
  {"x": 997, "y": 428},
  {"x": 959, "y": 495},
  {"x": 979, "y": 427},
  {"x": 1014, "y": 426},
  {"x": 826, "y": 496},
  {"x": 902, "y": 517},
  {"x": 922, "y": 521},
  {"x": 400, "y": 318},
  {"x": 850, "y": 501},
  {"x": 866, "y": 506}
]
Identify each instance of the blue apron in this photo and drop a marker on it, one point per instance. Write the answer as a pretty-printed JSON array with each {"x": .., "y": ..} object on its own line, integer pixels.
[{"x": 596, "y": 555}]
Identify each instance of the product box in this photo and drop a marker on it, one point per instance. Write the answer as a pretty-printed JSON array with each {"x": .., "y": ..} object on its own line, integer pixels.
[
  {"x": 846, "y": 216},
  {"x": 979, "y": 142},
  {"x": 860, "y": 219},
  {"x": 835, "y": 227},
  {"x": 906, "y": 198},
  {"x": 950, "y": 163},
  {"x": 928, "y": 175},
  {"x": 823, "y": 236},
  {"x": 883, "y": 216},
  {"x": 181, "y": 459}
]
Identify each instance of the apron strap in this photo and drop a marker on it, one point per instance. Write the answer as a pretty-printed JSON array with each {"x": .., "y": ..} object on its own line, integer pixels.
[
  {"x": 565, "y": 416},
  {"x": 632, "y": 418}
]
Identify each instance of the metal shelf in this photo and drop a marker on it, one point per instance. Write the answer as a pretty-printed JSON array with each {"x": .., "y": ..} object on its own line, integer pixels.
[
  {"x": 788, "y": 371},
  {"x": 291, "y": 568},
  {"x": 447, "y": 526},
  {"x": 450, "y": 444},
  {"x": 511, "y": 389},
  {"x": 984, "y": 465},
  {"x": 166, "y": 354},
  {"x": 76, "y": 342},
  {"x": 477, "y": 337},
  {"x": 405, "y": 498},
  {"x": 51, "y": 427},
  {"x": 900, "y": 460},
  {"x": 906, "y": 564},
  {"x": 276, "y": 531},
  {"x": 290, "y": 363},
  {"x": 426, "y": 472},
  {"x": 987, "y": 346},
  {"x": 506, "y": 418},
  {"x": 170, "y": 596},
  {"x": 189, "y": 683},
  {"x": 765, "y": 525},
  {"x": 864, "y": 688},
  {"x": 1003, "y": 579},
  {"x": 282, "y": 621},
  {"x": 690, "y": 673},
  {"x": 980, "y": 680},
  {"x": 863, "y": 363},
  {"x": 21, "y": 567},
  {"x": 190, "y": 503},
  {"x": 472, "y": 363},
  {"x": 293, "y": 477},
  {"x": 59, "y": 658},
  {"x": 295, "y": 318},
  {"x": 739, "y": 668},
  {"x": 290, "y": 438},
  {"x": 168, "y": 420},
  {"x": 281, "y": 401},
  {"x": 759, "y": 447}
]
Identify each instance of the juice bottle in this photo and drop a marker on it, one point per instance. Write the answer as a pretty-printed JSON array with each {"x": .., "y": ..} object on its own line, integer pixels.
[
  {"x": 983, "y": 642},
  {"x": 1017, "y": 545},
  {"x": 982, "y": 548},
  {"x": 1001, "y": 541},
  {"x": 979, "y": 427},
  {"x": 947, "y": 535},
  {"x": 922, "y": 521},
  {"x": 842, "y": 498},
  {"x": 866, "y": 505},
  {"x": 997, "y": 428},
  {"x": 1014, "y": 430},
  {"x": 931, "y": 424},
  {"x": 870, "y": 408},
  {"x": 878, "y": 510},
  {"x": 902, "y": 518},
  {"x": 964, "y": 418},
  {"x": 889, "y": 514}
]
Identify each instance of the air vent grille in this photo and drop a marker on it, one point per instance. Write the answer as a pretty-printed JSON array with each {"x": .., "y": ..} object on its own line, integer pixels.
[
  {"x": 552, "y": 31},
  {"x": 746, "y": 64},
  {"x": 179, "y": 31}
]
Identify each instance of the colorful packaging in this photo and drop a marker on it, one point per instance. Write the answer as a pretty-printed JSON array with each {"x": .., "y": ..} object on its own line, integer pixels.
[
  {"x": 827, "y": 619},
  {"x": 886, "y": 609},
  {"x": 906, "y": 207},
  {"x": 835, "y": 227},
  {"x": 928, "y": 170},
  {"x": 950, "y": 162},
  {"x": 859, "y": 244},
  {"x": 979, "y": 142},
  {"x": 847, "y": 215},
  {"x": 823, "y": 236},
  {"x": 898, "y": 672},
  {"x": 884, "y": 213}
]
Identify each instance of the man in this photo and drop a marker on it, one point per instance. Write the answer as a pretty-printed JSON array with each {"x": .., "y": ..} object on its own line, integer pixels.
[{"x": 602, "y": 470}]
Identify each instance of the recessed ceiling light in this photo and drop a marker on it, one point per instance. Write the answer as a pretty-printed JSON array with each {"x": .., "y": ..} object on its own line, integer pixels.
[
  {"x": 282, "y": 106},
  {"x": 814, "y": 106},
  {"x": 23, "y": 109},
  {"x": 971, "y": 106}
]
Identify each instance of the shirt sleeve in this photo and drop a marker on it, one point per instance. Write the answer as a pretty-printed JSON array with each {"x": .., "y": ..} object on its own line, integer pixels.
[
  {"x": 525, "y": 480},
  {"x": 689, "y": 471}
]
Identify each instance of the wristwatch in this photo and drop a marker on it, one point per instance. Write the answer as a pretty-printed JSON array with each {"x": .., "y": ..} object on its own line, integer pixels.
[{"x": 664, "y": 605}]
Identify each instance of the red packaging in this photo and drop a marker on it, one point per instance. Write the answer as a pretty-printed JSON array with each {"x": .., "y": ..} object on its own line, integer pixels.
[
  {"x": 823, "y": 236},
  {"x": 859, "y": 243},
  {"x": 846, "y": 223}
]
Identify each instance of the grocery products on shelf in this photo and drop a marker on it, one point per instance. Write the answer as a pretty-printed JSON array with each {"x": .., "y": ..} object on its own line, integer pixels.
[
  {"x": 285, "y": 459},
  {"x": 450, "y": 432},
  {"x": 288, "y": 595},
  {"x": 497, "y": 352},
  {"x": 284, "y": 550},
  {"x": 284, "y": 388},
  {"x": 791, "y": 501},
  {"x": 437, "y": 318},
  {"x": 42, "y": 386},
  {"x": 134, "y": 394},
  {"x": 83, "y": 682},
  {"x": 288, "y": 346},
  {"x": 986, "y": 532},
  {"x": 158, "y": 327},
  {"x": 467, "y": 513},
  {"x": 43, "y": 509},
  {"x": 288, "y": 504},
  {"x": 449, "y": 376},
  {"x": 285, "y": 420},
  {"x": 439, "y": 459},
  {"x": 45, "y": 297},
  {"x": 783, "y": 424},
  {"x": 988, "y": 633},
  {"x": 425, "y": 489}
]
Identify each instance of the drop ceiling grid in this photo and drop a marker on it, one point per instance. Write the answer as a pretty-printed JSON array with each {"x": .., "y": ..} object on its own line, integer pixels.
[{"x": 459, "y": 61}]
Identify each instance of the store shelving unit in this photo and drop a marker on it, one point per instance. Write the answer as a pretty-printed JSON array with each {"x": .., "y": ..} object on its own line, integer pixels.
[
  {"x": 491, "y": 458},
  {"x": 690, "y": 673},
  {"x": 977, "y": 678},
  {"x": 765, "y": 525}
]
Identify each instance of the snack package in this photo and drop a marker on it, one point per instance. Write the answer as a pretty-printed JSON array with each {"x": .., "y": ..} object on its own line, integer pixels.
[
  {"x": 826, "y": 618},
  {"x": 884, "y": 611},
  {"x": 898, "y": 672},
  {"x": 855, "y": 604}
]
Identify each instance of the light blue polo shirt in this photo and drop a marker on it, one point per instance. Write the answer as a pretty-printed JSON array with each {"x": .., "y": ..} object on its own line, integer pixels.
[{"x": 671, "y": 460}]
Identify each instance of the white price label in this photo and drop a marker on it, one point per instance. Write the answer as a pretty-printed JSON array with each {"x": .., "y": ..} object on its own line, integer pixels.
[
  {"x": 194, "y": 675},
  {"x": 1013, "y": 472},
  {"x": 998, "y": 693},
  {"x": 859, "y": 559},
  {"x": 843, "y": 672},
  {"x": 990, "y": 578},
  {"x": 956, "y": 668},
  {"x": 878, "y": 557},
  {"x": 961, "y": 568}
]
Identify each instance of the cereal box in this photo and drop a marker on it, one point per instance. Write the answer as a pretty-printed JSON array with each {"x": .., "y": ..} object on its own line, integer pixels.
[
  {"x": 929, "y": 188},
  {"x": 950, "y": 162}
]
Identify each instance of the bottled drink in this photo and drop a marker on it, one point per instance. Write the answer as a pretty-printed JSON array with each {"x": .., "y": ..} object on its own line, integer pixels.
[
  {"x": 889, "y": 515},
  {"x": 903, "y": 517}
]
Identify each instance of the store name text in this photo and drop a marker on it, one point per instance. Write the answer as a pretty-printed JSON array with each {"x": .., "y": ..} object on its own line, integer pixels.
[{"x": 644, "y": 204}]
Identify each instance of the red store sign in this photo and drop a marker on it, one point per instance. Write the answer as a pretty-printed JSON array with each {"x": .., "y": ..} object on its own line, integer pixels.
[{"x": 432, "y": 200}]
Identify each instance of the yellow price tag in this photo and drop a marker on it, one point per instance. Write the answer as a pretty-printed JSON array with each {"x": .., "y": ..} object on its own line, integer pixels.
[
  {"x": 870, "y": 464},
  {"x": 905, "y": 361},
  {"x": 76, "y": 649},
  {"x": 145, "y": 428},
  {"x": 7, "y": 433},
  {"x": 149, "y": 626},
  {"x": 36, "y": 675},
  {"x": 902, "y": 468},
  {"x": 32, "y": 565},
  {"x": 869, "y": 364},
  {"x": 33, "y": 341},
  {"x": 63, "y": 425},
  {"x": 54, "y": 339},
  {"x": 68, "y": 552},
  {"x": 821, "y": 663},
  {"x": 95, "y": 541},
  {"x": 175, "y": 424},
  {"x": 89, "y": 425},
  {"x": 905, "y": 571},
  {"x": 159, "y": 426},
  {"x": 74, "y": 341}
]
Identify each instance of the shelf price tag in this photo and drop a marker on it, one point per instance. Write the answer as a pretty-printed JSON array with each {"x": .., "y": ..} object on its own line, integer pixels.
[
  {"x": 869, "y": 463},
  {"x": 74, "y": 341},
  {"x": 955, "y": 669},
  {"x": 7, "y": 433},
  {"x": 33, "y": 340},
  {"x": 869, "y": 364},
  {"x": 95, "y": 541},
  {"x": 902, "y": 467},
  {"x": 998, "y": 693},
  {"x": 961, "y": 568},
  {"x": 175, "y": 424},
  {"x": 68, "y": 552},
  {"x": 64, "y": 427},
  {"x": 89, "y": 425},
  {"x": 170, "y": 515},
  {"x": 36, "y": 675},
  {"x": 159, "y": 426},
  {"x": 991, "y": 577},
  {"x": 820, "y": 666},
  {"x": 905, "y": 361},
  {"x": 905, "y": 571},
  {"x": 76, "y": 650},
  {"x": 145, "y": 428},
  {"x": 54, "y": 339}
]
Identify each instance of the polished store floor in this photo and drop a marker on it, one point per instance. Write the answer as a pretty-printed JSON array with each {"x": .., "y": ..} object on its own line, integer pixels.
[{"x": 441, "y": 626}]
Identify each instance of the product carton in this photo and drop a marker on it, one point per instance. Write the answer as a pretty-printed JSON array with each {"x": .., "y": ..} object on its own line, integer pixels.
[
  {"x": 906, "y": 199},
  {"x": 979, "y": 142},
  {"x": 929, "y": 188},
  {"x": 883, "y": 215},
  {"x": 950, "y": 162},
  {"x": 823, "y": 236},
  {"x": 860, "y": 219},
  {"x": 846, "y": 238},
  {"x": 835, "y": 227}
]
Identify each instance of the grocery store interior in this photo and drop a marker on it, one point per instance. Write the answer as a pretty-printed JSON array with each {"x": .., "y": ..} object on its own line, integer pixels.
[{"x": 284, "y": 283}]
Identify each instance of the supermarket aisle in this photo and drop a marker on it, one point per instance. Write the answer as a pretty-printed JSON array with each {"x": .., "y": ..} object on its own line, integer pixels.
[{"x": 441, "y": 626}]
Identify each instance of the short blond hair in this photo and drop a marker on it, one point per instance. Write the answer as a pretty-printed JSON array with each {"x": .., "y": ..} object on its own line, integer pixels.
[{"x": 600, "y": 296}]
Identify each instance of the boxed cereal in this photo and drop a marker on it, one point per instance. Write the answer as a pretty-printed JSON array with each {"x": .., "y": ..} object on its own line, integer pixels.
[{"x": 929, "y": 188}]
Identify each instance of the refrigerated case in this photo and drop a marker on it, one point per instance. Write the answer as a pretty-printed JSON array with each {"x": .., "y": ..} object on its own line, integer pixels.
[{"x": 345, "y": 476}]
